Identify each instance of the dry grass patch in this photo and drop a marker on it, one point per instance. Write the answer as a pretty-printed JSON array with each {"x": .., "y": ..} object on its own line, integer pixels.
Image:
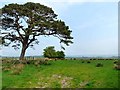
[{"x": 17, "y": 69}]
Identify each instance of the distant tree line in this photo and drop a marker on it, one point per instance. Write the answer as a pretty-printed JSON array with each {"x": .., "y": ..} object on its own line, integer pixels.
[{"x": 50, "y": 52}]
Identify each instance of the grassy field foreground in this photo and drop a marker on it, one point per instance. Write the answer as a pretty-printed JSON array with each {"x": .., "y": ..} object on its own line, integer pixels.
[{"x": 64, "y": 74}]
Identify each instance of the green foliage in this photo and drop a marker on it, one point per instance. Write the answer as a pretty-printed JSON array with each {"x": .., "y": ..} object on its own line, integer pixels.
[
  {"x": 51, "y": 53},
  {"x": 88, "y": 61},
  {"x": 60, "y": 54},
  {"x": 31, "y": 20},
  {"x": 27, "y": 21},
  {"x": 99, "y": 65}
]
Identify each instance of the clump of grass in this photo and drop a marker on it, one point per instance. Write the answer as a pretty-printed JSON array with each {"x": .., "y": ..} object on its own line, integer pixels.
[
  {"x": 6, "y": 68},
  {"x": 37, "y": 63},
  {"x": 82, "y": 61},
  {"x": 84, "y": 84},
  {"x": 17, "y": 69},
  {"x": 99, "y": 65},
  {"x": 115, "y": 62},
  {"x": 117, "y": 66},
  {"x": 88, "y": 62}
]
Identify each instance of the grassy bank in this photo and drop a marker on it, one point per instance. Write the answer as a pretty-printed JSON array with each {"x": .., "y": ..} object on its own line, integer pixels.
[{"x": 64, "y": 74}]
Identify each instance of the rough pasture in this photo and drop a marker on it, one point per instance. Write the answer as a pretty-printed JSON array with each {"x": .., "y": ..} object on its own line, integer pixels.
[{"x": 63, "y": 74}]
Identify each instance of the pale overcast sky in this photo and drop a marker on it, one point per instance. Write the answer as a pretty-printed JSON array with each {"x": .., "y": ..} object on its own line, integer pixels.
[{"x": 94, "y": 26}]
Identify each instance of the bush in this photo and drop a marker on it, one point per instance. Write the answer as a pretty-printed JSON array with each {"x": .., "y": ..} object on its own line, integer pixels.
[
  {"x": 88, "y": 61},
  {"x": 74, "y": 59},
  {"x": 50, "y": 52},
  {"x": 115, "y": 62},
  {"x": 82, "y": 61},
  {"x": 60, "y": 54},
  {"x": 99, "y": 65},
  {"x": 37, "y": 63},
  {"x": 117, "y": 67}
]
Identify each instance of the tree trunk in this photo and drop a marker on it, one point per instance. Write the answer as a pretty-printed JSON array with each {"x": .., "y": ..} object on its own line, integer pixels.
[{"x": 22, "y": 53}]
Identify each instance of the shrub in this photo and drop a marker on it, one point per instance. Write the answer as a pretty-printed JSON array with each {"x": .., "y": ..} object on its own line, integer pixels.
[
  {"x": 82, "y": 61},
  {"x": 99, "y": 65},
  {"x": 47, "y": 63},
  {"x": 117, "y": 67},
  {"x": 30, "y": 61},
  {"x": 50, "y": 52},
  {"x": 44, "y": 62},
  {"x": 36, "y": 63},
  {"x": 115, "y": 62},
  {"x": 60, "y": 54},
  {"x": 88, "y": 61},
  {"x": 74, "y": 59}
]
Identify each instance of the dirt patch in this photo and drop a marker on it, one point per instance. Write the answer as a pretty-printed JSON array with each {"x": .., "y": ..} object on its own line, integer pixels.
[{"x": 66, "y": 82}]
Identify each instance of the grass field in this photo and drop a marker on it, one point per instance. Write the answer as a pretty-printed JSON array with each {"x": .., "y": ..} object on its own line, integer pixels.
[{"x": 64, "y": 74}]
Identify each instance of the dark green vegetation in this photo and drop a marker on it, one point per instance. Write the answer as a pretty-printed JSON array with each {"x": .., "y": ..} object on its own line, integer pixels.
[
  {"x": 63, "y": 74},
  {"x": 23, "y": 23},
  {"x": 50, "y": 52}
]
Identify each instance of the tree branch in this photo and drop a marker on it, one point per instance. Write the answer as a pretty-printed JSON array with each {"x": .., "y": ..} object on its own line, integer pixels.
[
  {"x": 17, "y": 19},
  {"x": 31, "y": 40}
]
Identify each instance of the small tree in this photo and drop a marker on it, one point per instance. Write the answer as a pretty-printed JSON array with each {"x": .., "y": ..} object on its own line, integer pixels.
[
  {"x": 60, "y": 54},
  {"x": 50, "y": 52}
]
